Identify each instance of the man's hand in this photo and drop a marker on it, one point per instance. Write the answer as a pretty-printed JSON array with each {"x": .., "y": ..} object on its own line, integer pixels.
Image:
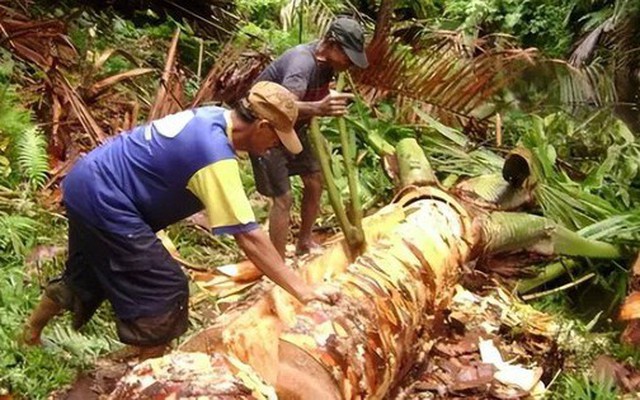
[
  {"x": 324, "y": 293},
  {"x": 335, "y": 104},
  {"x": 261, "y": 252}
]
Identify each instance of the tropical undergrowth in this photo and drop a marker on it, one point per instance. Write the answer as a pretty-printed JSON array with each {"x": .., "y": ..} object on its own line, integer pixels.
[{"x": 30, "y": 239}]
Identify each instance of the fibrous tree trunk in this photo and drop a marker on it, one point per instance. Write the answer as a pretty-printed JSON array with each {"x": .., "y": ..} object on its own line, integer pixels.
[{"x": 362, "y": 345}]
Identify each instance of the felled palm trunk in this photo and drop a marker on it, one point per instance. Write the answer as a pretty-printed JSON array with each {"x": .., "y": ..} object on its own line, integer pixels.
[
  {"x": 366, "y": 342},
  {"x": 361, "y": 346}
]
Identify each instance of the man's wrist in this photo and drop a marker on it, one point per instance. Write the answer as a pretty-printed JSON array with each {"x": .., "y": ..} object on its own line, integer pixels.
[{"x": 304, "y": 294}]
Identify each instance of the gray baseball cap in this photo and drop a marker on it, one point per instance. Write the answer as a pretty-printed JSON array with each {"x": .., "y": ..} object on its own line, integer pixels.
[{"x": 350, "y": 35}]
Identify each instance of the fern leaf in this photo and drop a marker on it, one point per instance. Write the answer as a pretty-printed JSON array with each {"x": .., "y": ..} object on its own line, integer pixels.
[
  {"x": 15, "y": 232},
  {"x": 31, "y": 156}
]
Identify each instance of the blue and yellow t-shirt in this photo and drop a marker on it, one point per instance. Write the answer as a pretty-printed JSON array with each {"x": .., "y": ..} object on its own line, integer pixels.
[{"x": 160, "y": 173}]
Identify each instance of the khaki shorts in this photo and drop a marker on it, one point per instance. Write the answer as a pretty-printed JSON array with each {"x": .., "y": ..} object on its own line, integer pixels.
[{"x": 273, "y": 169}]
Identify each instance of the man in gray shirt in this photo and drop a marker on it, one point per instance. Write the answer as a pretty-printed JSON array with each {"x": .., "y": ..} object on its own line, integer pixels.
[{"x": 306, "y": 70}]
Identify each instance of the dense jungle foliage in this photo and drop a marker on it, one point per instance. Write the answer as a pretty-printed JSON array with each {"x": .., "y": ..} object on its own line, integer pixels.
[{"x": 562, "y": 79}]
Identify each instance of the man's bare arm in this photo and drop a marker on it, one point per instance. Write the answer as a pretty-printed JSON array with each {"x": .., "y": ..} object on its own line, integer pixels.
[{"x": 261, "y": 252}]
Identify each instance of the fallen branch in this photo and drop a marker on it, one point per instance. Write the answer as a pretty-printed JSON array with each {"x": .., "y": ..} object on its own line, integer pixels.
[{"x": 559, "y": 288}]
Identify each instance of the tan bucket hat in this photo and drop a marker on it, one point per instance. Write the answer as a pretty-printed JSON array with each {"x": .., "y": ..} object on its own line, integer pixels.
[{"x": 273, "y": 102}]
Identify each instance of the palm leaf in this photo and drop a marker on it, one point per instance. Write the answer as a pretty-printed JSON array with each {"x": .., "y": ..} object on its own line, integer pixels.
[
  {"x": 106, "y": 83},
  {"x": 316, "y": 15},
  {"x": 437, "y": 70},
  {"x": 169, "y": 96},
  {"x": 561, "y": 198},
  {"x": 605, "y": 53},
  {"x": 622, "y": 228},
  {"x": 591, "y": 84},
  {"x": 231, "y": 76},
  {"x": 452, "y": 152},
  {"x": 40, "y": 42}
]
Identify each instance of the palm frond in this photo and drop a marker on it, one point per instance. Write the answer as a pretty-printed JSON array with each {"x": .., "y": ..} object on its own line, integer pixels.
[
  {"x": 316, "y": 15},
  {"x": 169, "y": 96},
  {"x": 36, "y": 41},
  {"x": 562, "y": 199},
  {"x": 99, "y": 87},
  {"x": 623, "y": 228},
  {"x": 591, "y": 84},
  {"x": 32, "y": 157},
  {"x": 231, "y": 76},
  {"x": 439, "y": 71},
  {"x": 604, "y": 55},
  {"x": 452, "y": 152}
]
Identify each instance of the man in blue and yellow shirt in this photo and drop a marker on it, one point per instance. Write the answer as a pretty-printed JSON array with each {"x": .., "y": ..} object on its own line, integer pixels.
[{"x": 122, "y": 193}]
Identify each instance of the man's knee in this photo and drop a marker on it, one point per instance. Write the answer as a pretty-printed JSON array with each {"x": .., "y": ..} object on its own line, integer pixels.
[
  {"x": 156, "y": 330},
  {"x": 313, "y": 182},
  {"x": 283, "y": 202}
]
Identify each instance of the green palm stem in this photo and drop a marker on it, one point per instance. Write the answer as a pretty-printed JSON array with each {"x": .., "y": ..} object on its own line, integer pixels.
[
  {"x": 413, "y": 166},
  {"x": 354, "y": 212},
  {"x": 505, "y": 232},
  {"x": 351, "y": 233},
  {"x": 548, "y": 274}
]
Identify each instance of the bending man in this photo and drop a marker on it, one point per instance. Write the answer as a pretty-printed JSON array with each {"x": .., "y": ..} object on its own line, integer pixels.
[{"x": 143, "y": 180}]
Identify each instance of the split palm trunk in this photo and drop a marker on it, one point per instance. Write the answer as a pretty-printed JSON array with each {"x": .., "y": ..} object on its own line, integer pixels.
[{"x": 363, "y": 345}]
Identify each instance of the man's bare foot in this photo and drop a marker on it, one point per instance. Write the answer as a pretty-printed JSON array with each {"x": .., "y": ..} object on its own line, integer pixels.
[
  {"x": 308, "y": 247},
  {"x": 153, "y": 352},
  {"x": 46, "y": 309},
  {"x": 126, "y": 353},
  {"x": 30, "y": 336},
  {"x": 129, "y": 353}
]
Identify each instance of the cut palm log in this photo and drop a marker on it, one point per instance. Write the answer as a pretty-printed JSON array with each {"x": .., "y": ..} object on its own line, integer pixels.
[{"x": 192, "y": 375}]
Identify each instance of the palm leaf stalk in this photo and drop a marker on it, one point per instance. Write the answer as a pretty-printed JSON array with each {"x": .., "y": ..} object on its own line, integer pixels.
[
  {"x": 549, "y": 273},
  {"x": 413, "y": 166},
  {"x": 623, "y": 229},
  {"x": 507, "y": 231},
  {"x": 363, "y": 345},
  {"x": 354, "y": 211},
  {"x": 350, "y": 231}
]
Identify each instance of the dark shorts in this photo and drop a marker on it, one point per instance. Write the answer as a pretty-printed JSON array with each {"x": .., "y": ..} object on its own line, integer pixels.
[
  {"x": 273, "y": 169},
  {"x": 144, "y": 284}
]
